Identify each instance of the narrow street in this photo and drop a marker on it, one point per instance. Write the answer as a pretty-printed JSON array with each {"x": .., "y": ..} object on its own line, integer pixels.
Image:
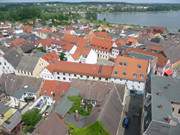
[{"x": 134, "y": 112}]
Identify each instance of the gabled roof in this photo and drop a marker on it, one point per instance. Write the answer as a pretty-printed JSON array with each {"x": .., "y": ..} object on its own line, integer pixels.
[
  {"x": 80, "y": 68},
  {"x": 10, "y": 83},
  {"x": 109, "y": 98},
  {"x": 13, "y": 57},
  {"x": 56, "y": 87},
  {"x": 161, "y": 58},
  {"x": 82, "y": 49},
  {"x": 51, "y": 57},
  {"x": 27, "y": 63},
  {"x": 100, "y": 40},
  {"x": 46, "y": 42},
  {"x": 64, "y": 104},
  {"x": 18, "y": 42},
  {"x": 53, "y": 125},
  {"x": 130, "y": 68}
]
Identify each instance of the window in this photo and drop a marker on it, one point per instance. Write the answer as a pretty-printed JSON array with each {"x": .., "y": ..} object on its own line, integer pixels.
[
  {"x": 124, "y": 72},
  {"x": 87, "y": 76},
  {"x": 173, "y": 109},
  {"x": 99, "y": 78},
  {"x": 115, "y": 72},
  {"x": 106, "y": 79},
  {"x": 125, "y": 64},
  {"x": 63, "y": 73},
  {"x": 81, "y": 76},
  {"x": 75, "y": 75},
  {"x": 120, "y": 63},
  {"x": 135, "y": 76},
  {"x": 58, "y": 77},
  {"x": 139, "y": 66},
  {"x": 4, "y": 63},
  {"x": 64, "y": 78},
  {"x": 179, "y": 111},
  {"x": 142, "y": 76}
]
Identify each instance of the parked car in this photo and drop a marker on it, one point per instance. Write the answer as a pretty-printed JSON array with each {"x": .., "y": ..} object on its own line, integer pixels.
[{"x": 126, "y": 122}]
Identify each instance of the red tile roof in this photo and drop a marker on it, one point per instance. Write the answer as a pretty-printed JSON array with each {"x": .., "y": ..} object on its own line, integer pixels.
[
  {"x": 100, "y": 40},
  {"x": 57, "y": 88},
  {"x": 49, "y": 41},
  {"x": 161, "y": 58},
  {"x": 70, "y": 38},
  {"x": 82, "y": 49},
  {"x": 27, "y": 28},
  {"x": 45, "y": 42},
  {"x": 18, "y": 42},
  {"x": 82, "y": 69},
  {"x": 51, "y": 57},
  {"x": 126, "y": 41}
]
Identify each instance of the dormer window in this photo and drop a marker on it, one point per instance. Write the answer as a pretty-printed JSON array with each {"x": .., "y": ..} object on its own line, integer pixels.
[
  {"x": 115, "y": 72},
  {"x": 124, "y": 72},
  {"x": 139, "y": 66},
  {"x": 125, "y": 64}
]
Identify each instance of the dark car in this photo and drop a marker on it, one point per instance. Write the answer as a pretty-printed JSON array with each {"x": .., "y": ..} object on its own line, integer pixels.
[{"x": 125, "y": 122}]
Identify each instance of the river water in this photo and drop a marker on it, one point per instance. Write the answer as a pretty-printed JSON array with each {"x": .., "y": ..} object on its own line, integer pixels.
[{"x": 168, "y": 19}]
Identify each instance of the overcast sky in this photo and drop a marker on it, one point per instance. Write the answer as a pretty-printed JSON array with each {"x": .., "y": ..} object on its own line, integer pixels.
[{"x": 133, "y": 1}]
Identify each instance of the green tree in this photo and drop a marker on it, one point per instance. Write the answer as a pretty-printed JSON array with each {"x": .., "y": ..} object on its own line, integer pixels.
[
  {"x": 30, "y": 119},
  {"x": 62, "y": 56}
]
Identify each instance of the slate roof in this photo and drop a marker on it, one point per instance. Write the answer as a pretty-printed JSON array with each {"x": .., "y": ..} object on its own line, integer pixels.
[
  {"x": 164, "y": 90},
  {"x": 11, "y": 83},
  {"x": 27, "y": 48},
  {"x": 53, "y": 125},
  {"x": 27, "y": 63},
  {"x": 13, "y": 57},
  {"x": 109, "y": 98},
  {"x": 64, "y": 104}
]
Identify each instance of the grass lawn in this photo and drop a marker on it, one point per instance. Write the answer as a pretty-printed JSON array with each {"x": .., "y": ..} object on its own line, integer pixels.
[
  {"x": 77, "y": 106},
  {"x": 93, "y": 129}
]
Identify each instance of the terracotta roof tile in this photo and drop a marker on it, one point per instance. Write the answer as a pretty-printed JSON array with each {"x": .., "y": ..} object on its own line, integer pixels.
[
  {"x": 100, "y": 40},
  {"x": 161, "y": 58},
  {"x": 57, "y": 88},
  {"x": 27, "y": 28},
  {"x": 18, "y": 42},
  {"x": 82, "y": 49},
  {"x": 82, "y": 69},
  {"x": 51, "y": 57}
]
